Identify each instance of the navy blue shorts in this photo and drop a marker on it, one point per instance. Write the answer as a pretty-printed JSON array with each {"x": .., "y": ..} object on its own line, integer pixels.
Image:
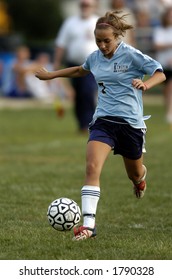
[{"x": 119, "y": 135}]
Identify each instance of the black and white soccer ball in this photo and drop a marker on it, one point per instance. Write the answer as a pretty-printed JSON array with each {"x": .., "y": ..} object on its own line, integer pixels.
[{"x": 63, "y": 214}]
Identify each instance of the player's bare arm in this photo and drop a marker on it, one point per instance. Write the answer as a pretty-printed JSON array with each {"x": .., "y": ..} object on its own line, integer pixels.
[
  {"x": 157, "y": 78},
  {"x": 71, "y": 72}
]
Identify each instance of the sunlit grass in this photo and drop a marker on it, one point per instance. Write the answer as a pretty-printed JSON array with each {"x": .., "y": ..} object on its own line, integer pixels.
[{"x": 42, "y": 158}]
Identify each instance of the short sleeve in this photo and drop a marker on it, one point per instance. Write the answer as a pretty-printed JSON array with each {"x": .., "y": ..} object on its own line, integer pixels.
[
  {"x": 145, "y": 63},
  {"x": 86, "y": 64}
]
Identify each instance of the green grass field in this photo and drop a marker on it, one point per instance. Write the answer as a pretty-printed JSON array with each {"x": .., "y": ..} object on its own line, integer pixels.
[{"x": 43, "y": 158}]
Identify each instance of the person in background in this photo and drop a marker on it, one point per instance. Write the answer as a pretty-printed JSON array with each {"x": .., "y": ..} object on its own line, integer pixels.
[
  {"x": 144, "y": 31},
  {"x": 75, "y": 41},
  {"x": 154, "y": 7},
  {"x": 118, "y": 122},
  {"x": 19, "y": 79},
  {"x": 14, "y": 84},
  {"x": 42, "y": 91},
  {"x": 163, "y": 45},
  {"x": 50, "y": 92}
]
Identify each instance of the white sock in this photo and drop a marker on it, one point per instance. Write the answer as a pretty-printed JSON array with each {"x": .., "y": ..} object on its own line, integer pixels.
[
  {"x": 144, "y": 176},
  {"x": 90, "y": 197}
]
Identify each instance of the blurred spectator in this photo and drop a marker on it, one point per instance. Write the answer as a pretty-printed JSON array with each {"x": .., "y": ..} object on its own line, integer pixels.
[
  {"x": 18, "y": 77},
  {"x": 120, "y": 5},
  {"x": 75, "y": 42},
  {"x": 144, "y": 32},
  {"x": 166, "y": 3},
  {"x": 153, "y": 7},
  {"x": 1, "y": 73},
  {"x": 48, "y": 91},
  {"x": 163, "y": 46},
  {"x": 42, "y": 91},
  {"x": 13, "y": 84}
]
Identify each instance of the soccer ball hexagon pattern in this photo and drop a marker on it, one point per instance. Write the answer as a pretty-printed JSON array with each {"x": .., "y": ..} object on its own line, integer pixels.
[{"x": 63, "y": 214}]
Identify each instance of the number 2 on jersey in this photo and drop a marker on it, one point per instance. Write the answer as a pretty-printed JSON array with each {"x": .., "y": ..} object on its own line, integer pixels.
[{"x": 101, "y": 84}]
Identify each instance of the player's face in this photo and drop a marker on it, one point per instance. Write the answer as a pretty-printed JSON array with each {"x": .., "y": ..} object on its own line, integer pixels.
[{"x": 106, "y": 41}]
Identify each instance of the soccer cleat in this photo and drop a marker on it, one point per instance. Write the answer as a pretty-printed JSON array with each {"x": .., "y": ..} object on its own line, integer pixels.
[
  {"x": 82, "y": 233},
  {"x": 139, "y": 189}
]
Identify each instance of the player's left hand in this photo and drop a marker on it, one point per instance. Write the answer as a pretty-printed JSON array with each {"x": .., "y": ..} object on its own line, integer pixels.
[{"x": 139, "y": 84}]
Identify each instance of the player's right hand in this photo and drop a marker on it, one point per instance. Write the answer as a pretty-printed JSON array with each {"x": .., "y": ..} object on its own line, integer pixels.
[{"x": 42, "y": 74}]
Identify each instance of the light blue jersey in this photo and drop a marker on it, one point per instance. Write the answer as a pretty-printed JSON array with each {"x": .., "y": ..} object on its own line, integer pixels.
[{"x": 116, "y": 95}]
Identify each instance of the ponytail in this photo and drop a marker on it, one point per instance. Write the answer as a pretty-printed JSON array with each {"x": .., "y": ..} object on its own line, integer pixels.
[{"x": 115, "y": 21}]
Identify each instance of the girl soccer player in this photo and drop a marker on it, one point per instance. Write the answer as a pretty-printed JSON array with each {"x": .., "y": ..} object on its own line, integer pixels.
[{"x": 118, "y": 122}]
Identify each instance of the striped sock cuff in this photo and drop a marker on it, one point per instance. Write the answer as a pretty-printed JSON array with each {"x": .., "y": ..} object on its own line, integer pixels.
[{"x": 90, "y": 191}]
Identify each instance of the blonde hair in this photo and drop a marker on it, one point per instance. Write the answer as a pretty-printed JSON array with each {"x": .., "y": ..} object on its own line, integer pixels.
[{"x": 114, "y": 20}]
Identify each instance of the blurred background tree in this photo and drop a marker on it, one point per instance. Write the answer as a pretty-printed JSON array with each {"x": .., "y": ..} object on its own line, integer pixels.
[
  {"x": 36, "y": 22},
  {"x": 4, "y": 19}
]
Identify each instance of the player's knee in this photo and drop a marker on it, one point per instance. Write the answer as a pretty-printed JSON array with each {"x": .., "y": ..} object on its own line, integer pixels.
[{"x": 92, "y": 169}]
